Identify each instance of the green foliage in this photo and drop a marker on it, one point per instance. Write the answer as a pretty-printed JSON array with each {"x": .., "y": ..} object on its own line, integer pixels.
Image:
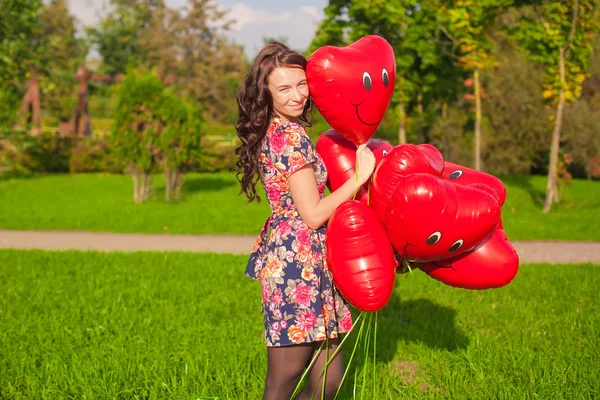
[
  {"x": 152, "y": 126},
  {"x": 19, "y": 40},
  {"x": 58, "y": 84},
  {"x": 20, "y": 51},
  {"x": 118, "y": 36},
  {"x": 179, "y": 141},
  {"x": 137, "y": 124},
  {"x": 549, "y": 26},
  {"x": 47, "y": 152},
  {"x": 91, "y": 154}
]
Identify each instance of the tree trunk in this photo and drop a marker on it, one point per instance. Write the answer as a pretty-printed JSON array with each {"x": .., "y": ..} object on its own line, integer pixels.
[
  {"x": 82, "y": 118},
  {"x": 168, "y": 183},
  {"x": 477, "y": 120},
  {"x": 420, "y": 138},
  {"x": 136, "y": 187},
  {"x": 402, "y": 127},
  {"x": 447, "y": 147},
  {"x": 147, "y": 184},
  {"x": 551, "y": 191},
  {"x": 179, "y": 179}
]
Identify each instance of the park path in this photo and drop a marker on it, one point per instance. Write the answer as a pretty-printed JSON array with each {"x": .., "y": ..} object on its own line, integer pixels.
[{"x": 555, "y": 252}]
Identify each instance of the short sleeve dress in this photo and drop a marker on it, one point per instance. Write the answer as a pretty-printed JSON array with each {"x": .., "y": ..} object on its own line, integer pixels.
[{"x": 300, "y": 303}]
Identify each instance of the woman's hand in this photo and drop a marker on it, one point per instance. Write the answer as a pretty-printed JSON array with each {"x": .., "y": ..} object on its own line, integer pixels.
[{"x": 365, "y": 163}]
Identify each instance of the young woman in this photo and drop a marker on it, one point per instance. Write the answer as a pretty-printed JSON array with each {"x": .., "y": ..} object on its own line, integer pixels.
[{"x": 300, "y": 303}]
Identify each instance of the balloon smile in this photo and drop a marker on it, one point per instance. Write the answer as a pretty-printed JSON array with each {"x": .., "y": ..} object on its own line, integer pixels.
[
  {"x": 406, "y": 252},
  {"x": 358, "y": 115}
]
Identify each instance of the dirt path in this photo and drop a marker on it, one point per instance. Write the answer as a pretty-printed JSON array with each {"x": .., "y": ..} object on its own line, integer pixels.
[{"x": 529, "y": 252}]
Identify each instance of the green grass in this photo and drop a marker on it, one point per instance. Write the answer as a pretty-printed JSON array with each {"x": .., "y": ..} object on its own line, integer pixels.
[
  {"x": 210, "y": 204},
  {"x": 183, "y": 326}
]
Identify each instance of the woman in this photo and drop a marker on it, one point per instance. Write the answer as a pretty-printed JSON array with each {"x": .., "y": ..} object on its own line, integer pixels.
[{"x": 301, "y": 305}]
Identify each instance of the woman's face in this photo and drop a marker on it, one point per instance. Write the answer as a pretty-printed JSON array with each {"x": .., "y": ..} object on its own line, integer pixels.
[{"x": 289, "y": 91}]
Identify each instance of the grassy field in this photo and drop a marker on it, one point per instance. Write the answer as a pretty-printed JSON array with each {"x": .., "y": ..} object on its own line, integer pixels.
[
  {"x": 210, "y": 204},
  {"x": 188, "y": 326}
]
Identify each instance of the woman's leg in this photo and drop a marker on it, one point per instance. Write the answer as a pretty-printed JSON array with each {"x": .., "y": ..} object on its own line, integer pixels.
[
  {"x": 285, "y": 366},
  {"x": 335, "y": 372}
]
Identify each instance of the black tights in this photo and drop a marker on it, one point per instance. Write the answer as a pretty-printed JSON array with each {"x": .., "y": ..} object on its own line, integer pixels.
[{"x": 286, "y": 364}]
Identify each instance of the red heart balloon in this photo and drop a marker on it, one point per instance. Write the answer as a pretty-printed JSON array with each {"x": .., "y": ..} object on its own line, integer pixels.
[
  {"x": 360, "y": 256},
  {"x": 492, "y": 265},
  {"x": 403, "y": 160},
  {"x": 339, "y": 156},
  {"x": 429, "y": 218},
  {"x": 352, "y": 86},
  {"x": 466, "y": 176}
]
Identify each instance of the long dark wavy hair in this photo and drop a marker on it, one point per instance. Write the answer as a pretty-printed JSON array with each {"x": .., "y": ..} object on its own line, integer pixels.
[{"x": 255, "y": 106}]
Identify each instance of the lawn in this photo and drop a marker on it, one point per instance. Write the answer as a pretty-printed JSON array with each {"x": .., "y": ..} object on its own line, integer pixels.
[
  {"x": 188, "y": 326},
  {"x": 210, "y": 204}
]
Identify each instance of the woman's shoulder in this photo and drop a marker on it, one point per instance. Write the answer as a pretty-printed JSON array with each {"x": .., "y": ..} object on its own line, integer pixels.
[
  {"x": 286, "y": 133},
  {"x": 280, "y": 125}
]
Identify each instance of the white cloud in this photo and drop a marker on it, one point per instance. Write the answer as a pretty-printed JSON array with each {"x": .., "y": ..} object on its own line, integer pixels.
[
  {"x": 244, "y": 15},
  {"x": 252, "y": 23},
  {"x": 88, "y": 12},
  {"x": 313, "y": 12},
  {"x": 298, "y": 26}
]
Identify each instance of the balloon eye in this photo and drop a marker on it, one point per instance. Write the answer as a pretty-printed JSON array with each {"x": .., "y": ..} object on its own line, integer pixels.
[
  {"x": 457, "y": 245},
  {"x": 385, "y": 77},
  {"x": 367, "y": 81},
  {"x": 384, "y": 152},
  {"x": 456, "y": 174},
  {"x": 434, "y": 238}
]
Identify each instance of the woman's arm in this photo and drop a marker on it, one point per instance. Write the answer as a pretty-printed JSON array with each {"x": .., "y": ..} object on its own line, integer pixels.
[{"x": 315, "y": 211}]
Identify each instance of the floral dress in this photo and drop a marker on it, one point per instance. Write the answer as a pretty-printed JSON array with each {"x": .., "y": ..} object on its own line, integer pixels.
[{"x": 299, "y": 300}]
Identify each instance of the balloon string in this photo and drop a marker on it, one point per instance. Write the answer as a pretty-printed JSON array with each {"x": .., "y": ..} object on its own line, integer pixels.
[{"x": 357, "y": 187}]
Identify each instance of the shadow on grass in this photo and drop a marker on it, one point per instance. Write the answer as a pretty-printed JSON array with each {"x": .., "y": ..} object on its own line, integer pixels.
[
  {"x": 204, "y": 184},
  {"x": 524, "y": 182},
  {"x": 192, "y": 185},
  {"x": 421, "y": 321},
  {"x": 7, "y": 175}
]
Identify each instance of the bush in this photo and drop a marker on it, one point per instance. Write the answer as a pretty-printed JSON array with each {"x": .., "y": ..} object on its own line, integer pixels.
[
  {"x": 93, "y": 155},
  {"x": 47, "y": 152}
]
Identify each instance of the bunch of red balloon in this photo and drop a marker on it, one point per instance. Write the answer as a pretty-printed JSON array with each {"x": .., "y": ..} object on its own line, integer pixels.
[{"x": 442, "y": 218}]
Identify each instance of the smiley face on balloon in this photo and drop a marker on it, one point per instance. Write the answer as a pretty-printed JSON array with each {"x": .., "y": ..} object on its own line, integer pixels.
[{"x": 352, "y": 86}]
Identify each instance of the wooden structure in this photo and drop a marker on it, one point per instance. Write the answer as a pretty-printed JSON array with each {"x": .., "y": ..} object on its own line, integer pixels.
[{"x": 81, "y": 124}]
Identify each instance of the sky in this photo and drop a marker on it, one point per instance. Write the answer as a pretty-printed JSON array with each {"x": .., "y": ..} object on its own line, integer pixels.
[{"x": 296, "y": 20}]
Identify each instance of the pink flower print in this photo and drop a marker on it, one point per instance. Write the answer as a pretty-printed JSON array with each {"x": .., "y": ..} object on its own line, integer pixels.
[
  {"x": 303, "y": 236},
  {"x": 274, "y": 335},
  {"x": 284, "y": 324},
  {"x": 284, "y": 228},
  {"x": 277, "y": 313},
  {"x": 277, "y": 298},
  {"x": 306, "y": 320},
  {"x": 273, "y": 192},
  {"x": 276, "y": 326},
  {"x": 278, "y": 143},
  {"x": 265, "y": 292},
  {"x": 346, "y": 322},
  {"x": 301, "y": 294}
]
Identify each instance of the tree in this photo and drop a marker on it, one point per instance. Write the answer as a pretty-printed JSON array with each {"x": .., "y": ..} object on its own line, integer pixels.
[
  {"x": 188, "y": 44},
  {"x": 179, "y": 141},
  {"x": 154, "y": 126},
  {"x": 19, "y": 51},
  {"x": 60, "y": 64},
  {"x": 466, "y": 24},
  {"x": 119, "y": 34},
  {"x": 560, "y": 36}
]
